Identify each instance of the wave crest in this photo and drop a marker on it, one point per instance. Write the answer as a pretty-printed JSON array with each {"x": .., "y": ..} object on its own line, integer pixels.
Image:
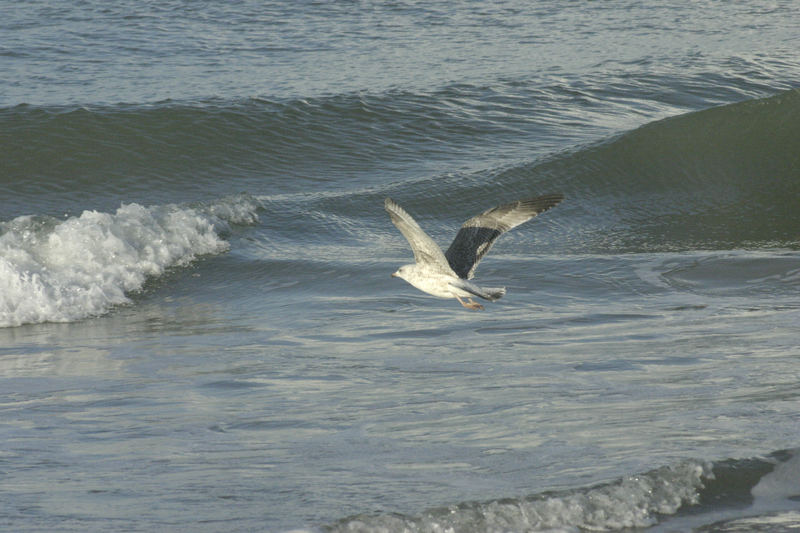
[
  {"x": 60, "y": 271},
  {"x": 634, "y": 501}
]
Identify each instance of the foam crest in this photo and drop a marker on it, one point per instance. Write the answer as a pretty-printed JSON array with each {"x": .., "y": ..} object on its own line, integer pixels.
[
  {"x": 60, "y": 271},
  {"x": 632, "y": 502}
]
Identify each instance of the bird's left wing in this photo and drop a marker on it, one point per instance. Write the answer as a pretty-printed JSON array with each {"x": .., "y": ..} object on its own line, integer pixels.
[
  {"x": 477, "y": 235},
  {"x": 426, "y": 251}
]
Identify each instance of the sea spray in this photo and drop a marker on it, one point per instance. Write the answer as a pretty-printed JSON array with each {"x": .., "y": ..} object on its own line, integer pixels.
[
  {"x": 631, "y": 502},
  {"x": 60, "y": 271}
]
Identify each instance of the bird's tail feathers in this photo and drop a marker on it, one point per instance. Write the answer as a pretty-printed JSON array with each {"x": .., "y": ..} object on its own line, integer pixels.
[
  {"x": 487, "y": 293},
  {"x": 493, "y": 293}
]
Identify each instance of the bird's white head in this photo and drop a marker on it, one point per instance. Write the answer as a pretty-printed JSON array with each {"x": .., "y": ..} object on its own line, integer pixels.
[{"x": 404, "y": 271}]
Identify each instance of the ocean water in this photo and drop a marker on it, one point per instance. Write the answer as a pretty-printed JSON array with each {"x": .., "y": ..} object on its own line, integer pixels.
[{"x": 198, "y": 330}]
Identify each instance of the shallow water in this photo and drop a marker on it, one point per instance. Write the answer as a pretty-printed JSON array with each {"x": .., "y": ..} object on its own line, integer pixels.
[{"x": 199, "y": 330}]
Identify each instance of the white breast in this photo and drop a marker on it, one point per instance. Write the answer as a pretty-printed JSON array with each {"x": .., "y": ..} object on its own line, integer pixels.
[{"x": 435, "y": 283}]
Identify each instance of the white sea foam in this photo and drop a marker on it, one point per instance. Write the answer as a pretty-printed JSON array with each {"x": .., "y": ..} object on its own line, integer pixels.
[
  {"x": 60, "y": 271},
  {"x": 632, "y": 502}
]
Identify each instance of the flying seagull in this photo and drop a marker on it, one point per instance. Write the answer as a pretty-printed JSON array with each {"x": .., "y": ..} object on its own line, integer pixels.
[{"x": 447, "y": 275}]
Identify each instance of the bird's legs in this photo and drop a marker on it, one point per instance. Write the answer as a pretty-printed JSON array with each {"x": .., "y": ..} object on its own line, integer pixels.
[{"x": 470, "y": 304}]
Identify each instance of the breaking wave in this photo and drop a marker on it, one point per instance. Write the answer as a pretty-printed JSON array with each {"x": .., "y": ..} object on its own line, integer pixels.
[
  {"x": 55, "y": 270},
  {"x": 680, "y": 497}
]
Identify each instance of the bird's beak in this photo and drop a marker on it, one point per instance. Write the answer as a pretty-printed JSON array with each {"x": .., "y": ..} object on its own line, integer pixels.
[{"x": 394, "y": 274}]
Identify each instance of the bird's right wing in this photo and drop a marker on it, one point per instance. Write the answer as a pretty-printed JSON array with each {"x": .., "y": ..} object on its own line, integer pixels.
[
  {"x": 426, "y": 251},
  {"x": 477, "y": 235}
]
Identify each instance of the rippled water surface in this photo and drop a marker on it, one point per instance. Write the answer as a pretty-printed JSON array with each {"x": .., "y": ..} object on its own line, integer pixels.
[{"x": 198, "y": 330}]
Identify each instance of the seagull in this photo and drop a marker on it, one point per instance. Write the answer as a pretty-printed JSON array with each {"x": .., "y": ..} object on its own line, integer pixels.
[{"x": 447, "y": 275}]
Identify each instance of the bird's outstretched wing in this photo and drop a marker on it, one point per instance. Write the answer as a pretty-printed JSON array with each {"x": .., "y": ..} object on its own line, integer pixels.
[
  {"x": 426, "y": 251},
  {"x": 478, "y": 234}
]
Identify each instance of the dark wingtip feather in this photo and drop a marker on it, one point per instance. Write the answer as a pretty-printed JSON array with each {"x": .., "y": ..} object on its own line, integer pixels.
[{"x": 543, "y": 203}]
